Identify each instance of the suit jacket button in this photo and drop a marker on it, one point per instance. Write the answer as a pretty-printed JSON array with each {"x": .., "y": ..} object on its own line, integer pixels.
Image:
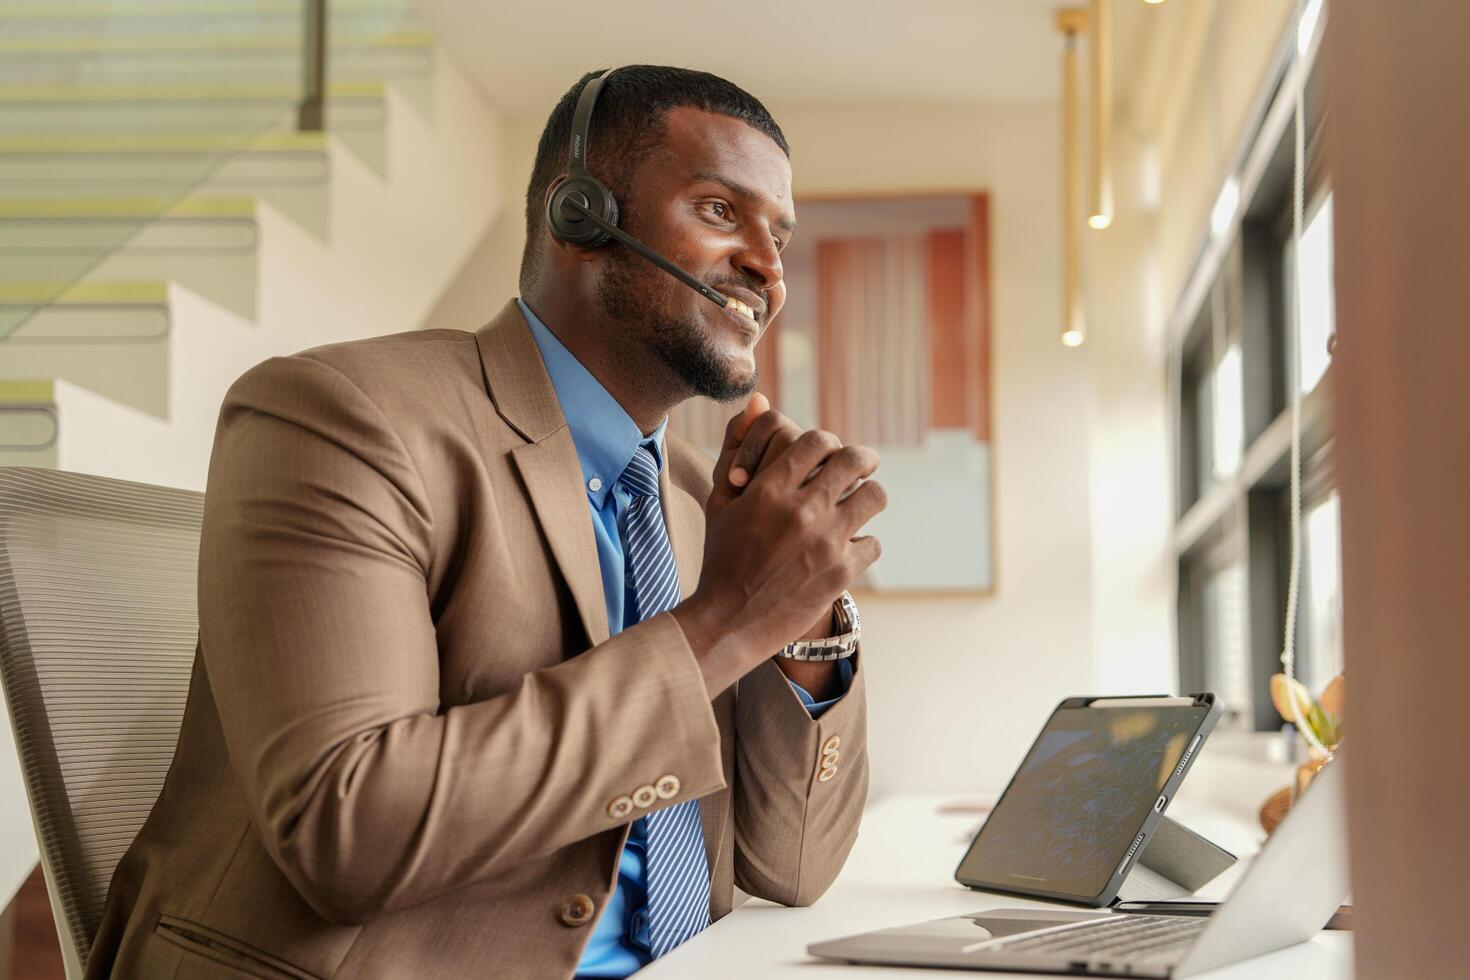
[
  {"x": 831, "y": 744},
  {"x": 620, "y": 807},
  {"x": 830, "y": 758},
  {"x": 644, "y": 796},
  {"x": 667, "y": 786},
  {"x": 826, "y": 774},
  {"x": 577, "y": 911}
]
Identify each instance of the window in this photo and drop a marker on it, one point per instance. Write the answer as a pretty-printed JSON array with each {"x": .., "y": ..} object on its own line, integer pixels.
[
  {"x": 1214, "y": 393},
  {"x": 1229, "y": 350},
  {"x": 1216, "y": 387},
  {"x": 1226, "y": 656},
  {"x": 1319, "y": 605},
  {"x": 1314, "y": 279},
  {"x": 1226, "y": 390}
]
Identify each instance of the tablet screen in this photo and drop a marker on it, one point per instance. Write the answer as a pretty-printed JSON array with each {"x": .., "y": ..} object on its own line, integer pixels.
[{"x": 1080, "y": 798}]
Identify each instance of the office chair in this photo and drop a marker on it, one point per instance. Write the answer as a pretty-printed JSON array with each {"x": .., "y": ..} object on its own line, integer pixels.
[{"x": 98, "y": 625}]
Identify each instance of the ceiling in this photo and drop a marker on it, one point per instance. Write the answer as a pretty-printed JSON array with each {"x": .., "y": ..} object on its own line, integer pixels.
[{"x": 786, "y": 52}]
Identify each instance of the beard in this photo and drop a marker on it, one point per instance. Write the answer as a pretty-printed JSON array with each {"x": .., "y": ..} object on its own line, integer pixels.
[{"x": 635, "y": 293}]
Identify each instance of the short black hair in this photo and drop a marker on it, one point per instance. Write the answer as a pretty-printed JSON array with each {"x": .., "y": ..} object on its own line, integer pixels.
[{"x": 627, "y": 123}]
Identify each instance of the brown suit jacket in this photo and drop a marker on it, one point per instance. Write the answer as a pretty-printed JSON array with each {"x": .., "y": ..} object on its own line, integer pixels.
[{"x": 407, "y": 726}]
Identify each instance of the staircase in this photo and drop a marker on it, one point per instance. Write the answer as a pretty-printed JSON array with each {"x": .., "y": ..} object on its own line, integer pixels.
[{"x": 164, "y": 226}]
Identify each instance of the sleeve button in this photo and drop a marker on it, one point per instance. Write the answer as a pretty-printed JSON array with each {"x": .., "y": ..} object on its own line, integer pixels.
[
  {"x": 831, "y": 744},
  {"x": 577, "y": 911},
  {"x": 667, "y": 787},
  {"x": 826, "y": 774},
  {"x": 620, "y": 807},
  {"x": 644, "y": 796}
]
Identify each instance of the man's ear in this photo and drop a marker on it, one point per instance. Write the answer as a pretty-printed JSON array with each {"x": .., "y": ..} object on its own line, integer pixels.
[{"x": 579, "y": 253}]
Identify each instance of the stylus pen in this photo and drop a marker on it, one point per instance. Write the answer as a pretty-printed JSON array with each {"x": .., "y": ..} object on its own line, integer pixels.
[
  {"x": 1341, "y": 919},
  {"x": 1168, "y": 908}
]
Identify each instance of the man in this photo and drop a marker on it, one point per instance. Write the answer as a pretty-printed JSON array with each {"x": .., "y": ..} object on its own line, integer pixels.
[{"x": 487, "y": 682}]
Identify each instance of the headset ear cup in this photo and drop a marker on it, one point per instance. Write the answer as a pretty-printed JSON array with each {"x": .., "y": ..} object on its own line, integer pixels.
[
  {"x": 572, "y": 227},
  {"x": 612, "y": 210}
]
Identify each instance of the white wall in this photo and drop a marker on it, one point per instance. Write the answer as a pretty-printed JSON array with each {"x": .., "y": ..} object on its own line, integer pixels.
[
  {"x": 1190, "y": 95},
  {"x": 489, "y": 275},
  {"x": 1133, "y": 568},
  {"x": 957, "y": 686}
]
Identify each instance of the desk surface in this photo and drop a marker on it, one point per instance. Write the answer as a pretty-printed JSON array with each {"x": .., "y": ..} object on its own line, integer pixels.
[{"x": 901, "y": 871}]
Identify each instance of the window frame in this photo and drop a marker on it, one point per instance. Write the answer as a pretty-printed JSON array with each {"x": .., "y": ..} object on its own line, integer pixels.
[{"x": 1244, "y": 517}]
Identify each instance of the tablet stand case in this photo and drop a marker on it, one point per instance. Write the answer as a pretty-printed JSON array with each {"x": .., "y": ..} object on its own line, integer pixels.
[{"x": 1176, "y": 862}]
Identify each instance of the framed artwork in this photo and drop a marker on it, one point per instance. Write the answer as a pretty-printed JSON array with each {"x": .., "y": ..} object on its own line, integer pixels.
[{"x": 885, "y": 340}]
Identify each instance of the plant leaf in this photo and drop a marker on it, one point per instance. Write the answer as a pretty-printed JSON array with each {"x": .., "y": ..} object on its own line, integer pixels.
[
  {"x": 1333, "y": 696},
  {"x": 1280, "y": 687}
]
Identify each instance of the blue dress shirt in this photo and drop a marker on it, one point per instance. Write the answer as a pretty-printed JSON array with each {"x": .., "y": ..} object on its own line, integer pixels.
[{"x": 606, "y": 439}]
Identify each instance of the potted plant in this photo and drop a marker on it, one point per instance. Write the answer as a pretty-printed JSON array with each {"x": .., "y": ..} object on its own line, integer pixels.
[{"x": 1323, "y": 716}]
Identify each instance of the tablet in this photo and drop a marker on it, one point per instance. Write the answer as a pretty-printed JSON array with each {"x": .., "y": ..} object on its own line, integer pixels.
[{"x": 1081, "y": 807}]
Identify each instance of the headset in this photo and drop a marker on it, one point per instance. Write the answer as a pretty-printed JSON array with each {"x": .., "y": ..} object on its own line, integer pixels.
[{"x": 584, "y": 212}]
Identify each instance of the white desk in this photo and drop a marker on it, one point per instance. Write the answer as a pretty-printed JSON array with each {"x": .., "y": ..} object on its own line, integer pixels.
[{"x": 901, "y": 871}]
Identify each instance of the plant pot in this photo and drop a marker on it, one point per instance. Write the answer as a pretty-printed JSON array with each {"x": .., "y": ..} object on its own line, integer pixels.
[{"x": 1306, "y": 772}]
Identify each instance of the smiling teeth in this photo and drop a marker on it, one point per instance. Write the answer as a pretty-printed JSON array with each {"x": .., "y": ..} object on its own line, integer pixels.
[{"x": 740, "y": 307}]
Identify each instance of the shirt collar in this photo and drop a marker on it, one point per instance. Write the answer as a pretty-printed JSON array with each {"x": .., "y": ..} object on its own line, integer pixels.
[{"x": 605, "y": 435}]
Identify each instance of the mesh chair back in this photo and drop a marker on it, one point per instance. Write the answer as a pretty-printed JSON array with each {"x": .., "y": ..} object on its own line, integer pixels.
[{"x": 98, "y": 625}]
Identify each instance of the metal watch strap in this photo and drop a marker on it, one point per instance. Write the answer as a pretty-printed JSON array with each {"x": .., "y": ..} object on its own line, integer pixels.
[{"x": 839, "y": 647}]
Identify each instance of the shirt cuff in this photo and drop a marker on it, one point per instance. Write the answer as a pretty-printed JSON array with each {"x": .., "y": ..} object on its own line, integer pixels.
[{"x": 812, "y": 705}]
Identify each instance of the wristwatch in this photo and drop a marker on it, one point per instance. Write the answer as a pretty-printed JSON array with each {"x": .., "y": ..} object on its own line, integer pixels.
[{"x": 839, "y": 647}]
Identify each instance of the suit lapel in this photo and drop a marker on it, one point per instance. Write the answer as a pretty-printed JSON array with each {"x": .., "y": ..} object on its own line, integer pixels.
[
  {"x": 523, "y": 395},
  {"x": 554, "y": 480}
]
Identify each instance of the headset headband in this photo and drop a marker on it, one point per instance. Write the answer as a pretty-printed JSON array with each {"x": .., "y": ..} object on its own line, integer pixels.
[{"x": 582, "y": 124}]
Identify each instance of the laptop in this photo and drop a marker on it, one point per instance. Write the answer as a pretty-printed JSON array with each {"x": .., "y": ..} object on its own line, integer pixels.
[{"x": 1286, "y": 895}]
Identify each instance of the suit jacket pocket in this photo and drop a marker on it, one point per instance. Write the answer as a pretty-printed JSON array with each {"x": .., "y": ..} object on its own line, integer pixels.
[{"x": 226, "y": 950}]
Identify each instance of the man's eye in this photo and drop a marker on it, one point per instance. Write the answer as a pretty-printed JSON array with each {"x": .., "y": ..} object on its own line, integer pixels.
[{"x": 719, "y": 208}]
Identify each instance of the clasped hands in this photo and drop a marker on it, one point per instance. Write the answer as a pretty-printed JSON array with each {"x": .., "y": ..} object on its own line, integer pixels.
[{"x": 781, "y": 541}]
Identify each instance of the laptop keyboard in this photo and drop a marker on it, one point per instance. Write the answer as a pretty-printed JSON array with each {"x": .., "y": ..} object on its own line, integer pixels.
[{"x": 1122, "y": 934}]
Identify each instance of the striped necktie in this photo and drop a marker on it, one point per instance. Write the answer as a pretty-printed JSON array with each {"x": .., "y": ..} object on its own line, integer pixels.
[{"x": 678, "y": 872}]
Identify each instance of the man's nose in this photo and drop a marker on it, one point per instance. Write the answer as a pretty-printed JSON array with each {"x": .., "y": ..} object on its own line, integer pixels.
[{"x": 761, "y": 262}]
